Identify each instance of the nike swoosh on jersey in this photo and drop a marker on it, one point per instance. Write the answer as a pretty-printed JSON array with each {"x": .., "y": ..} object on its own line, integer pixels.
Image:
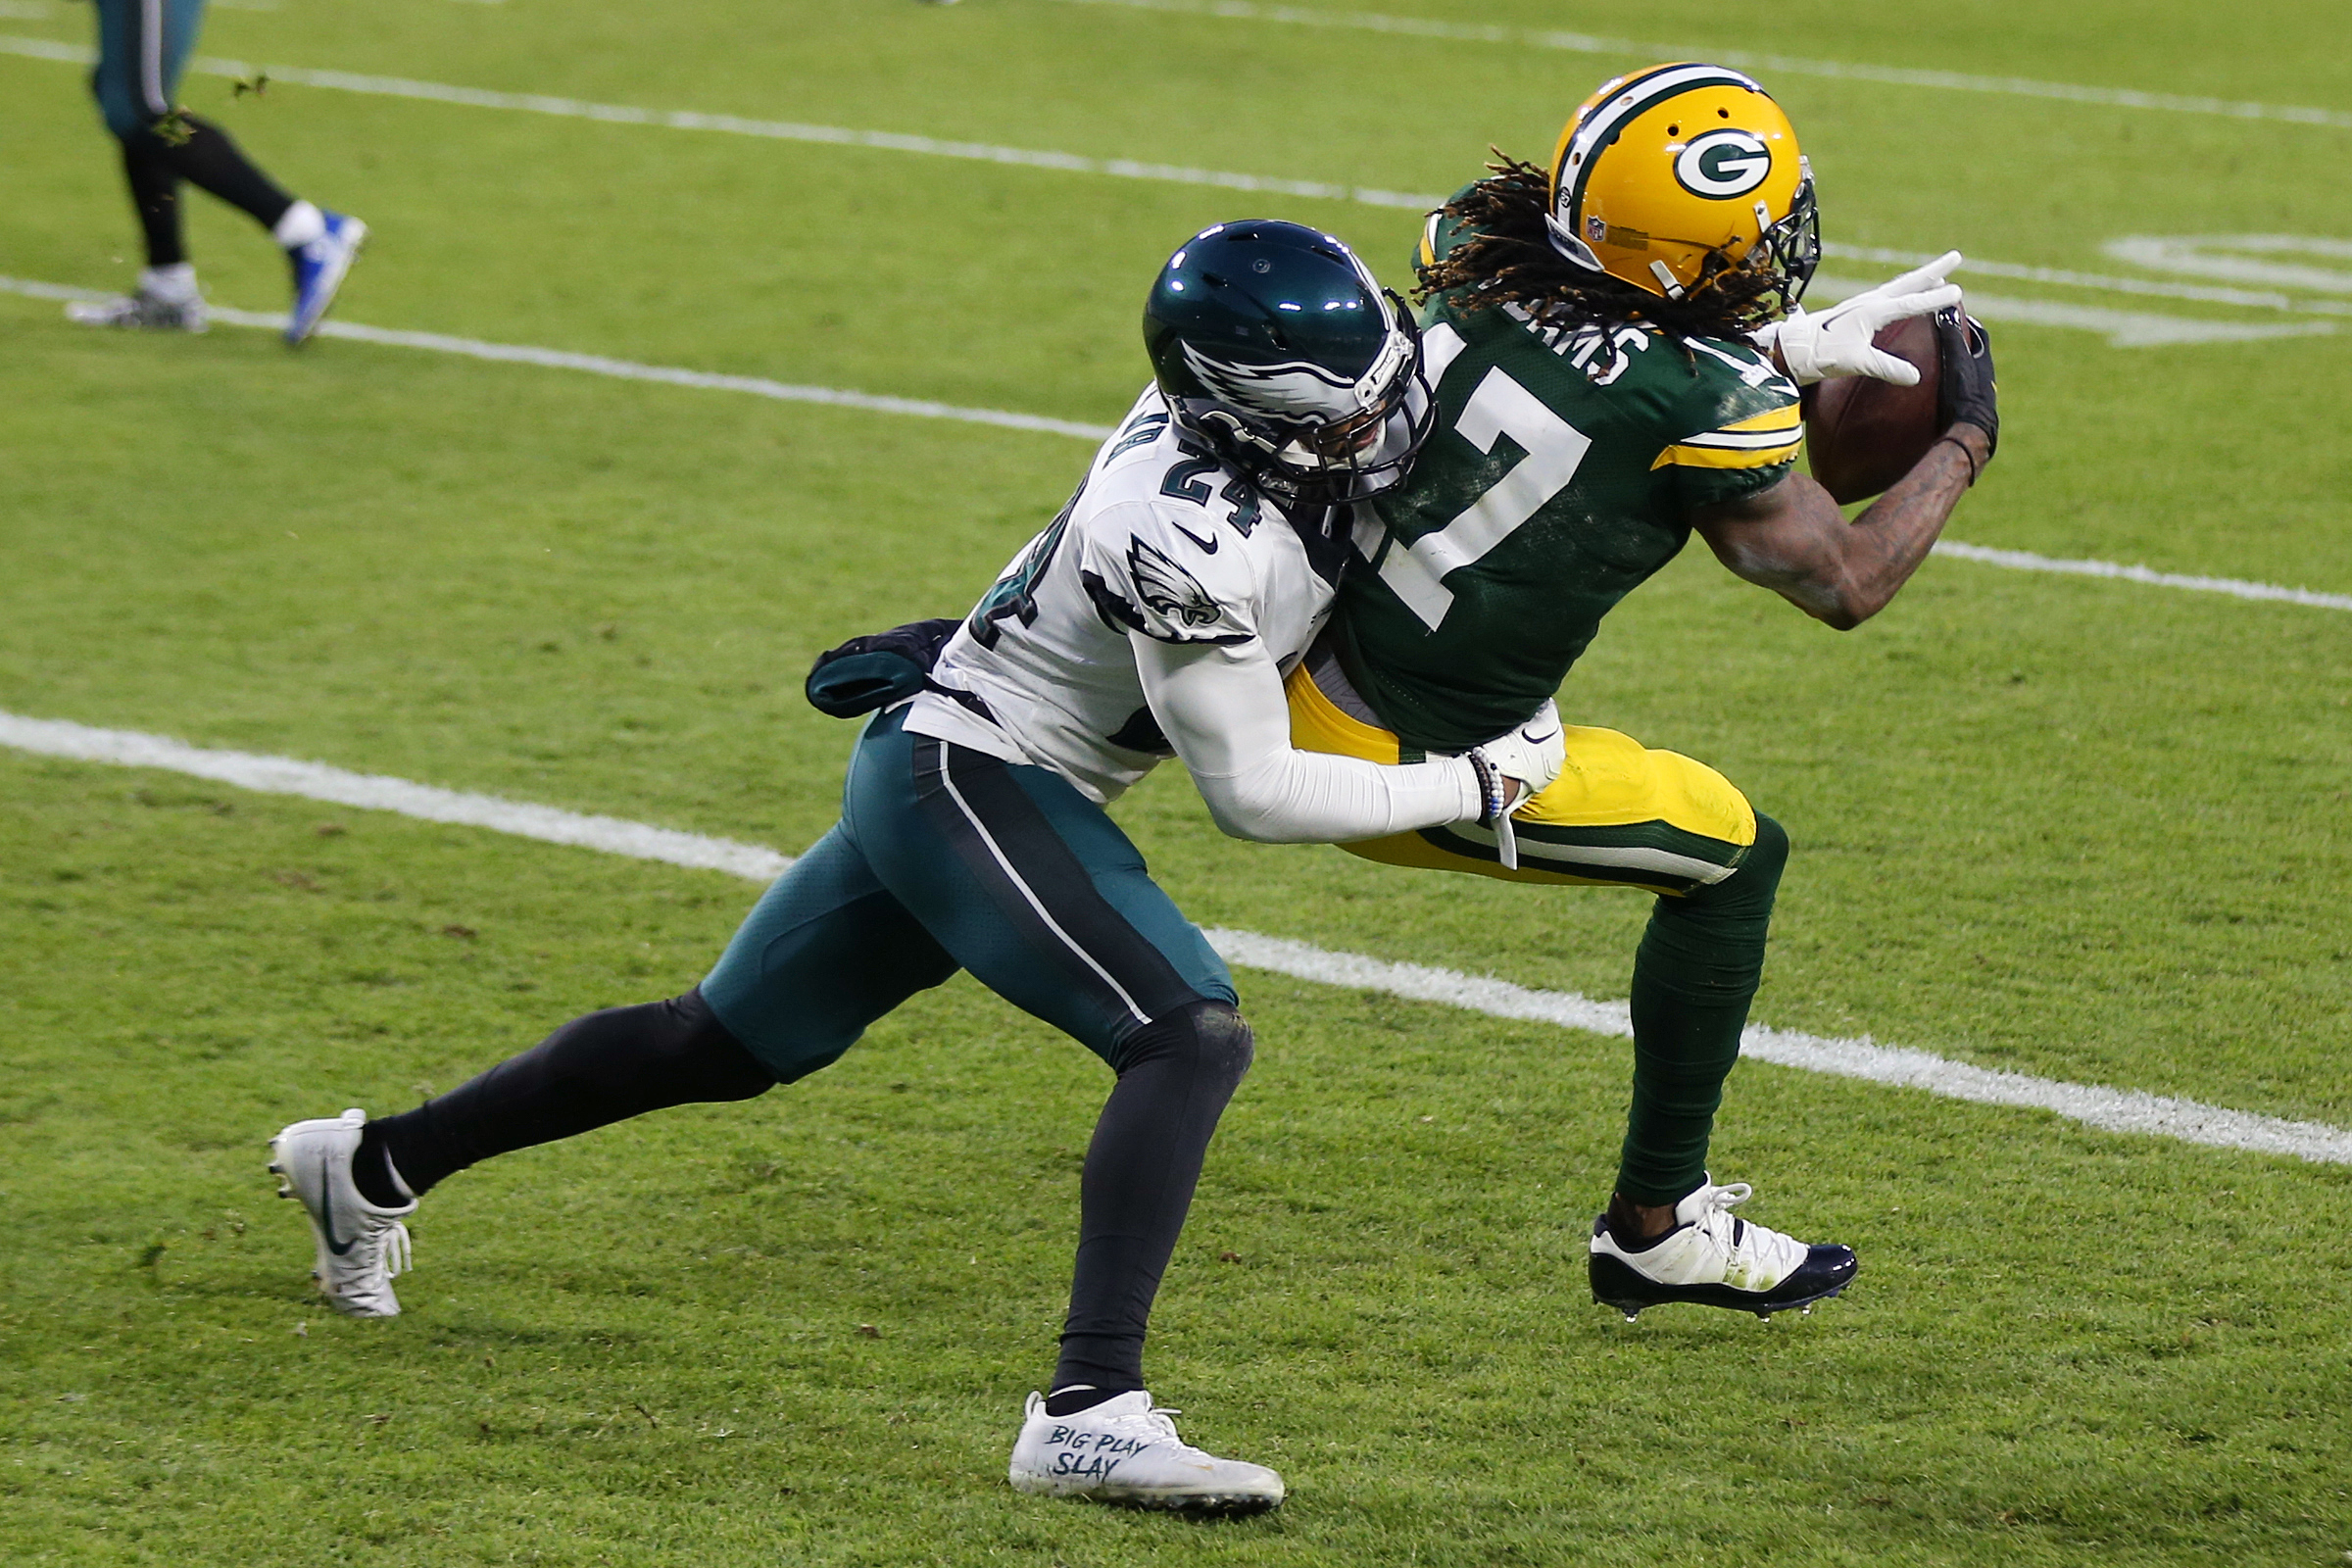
[{"x": 1209, "y": 546}]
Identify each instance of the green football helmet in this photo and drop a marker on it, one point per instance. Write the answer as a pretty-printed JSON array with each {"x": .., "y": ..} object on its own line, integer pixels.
[{"x": 1280, "y": 352}]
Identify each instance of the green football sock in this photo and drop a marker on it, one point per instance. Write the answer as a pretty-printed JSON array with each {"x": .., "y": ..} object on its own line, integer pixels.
[{"x": 1693, "y": 978}]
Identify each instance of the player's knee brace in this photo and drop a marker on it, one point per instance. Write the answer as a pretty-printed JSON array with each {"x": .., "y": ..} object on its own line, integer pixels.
[{"x": 1210, "y": 1041}]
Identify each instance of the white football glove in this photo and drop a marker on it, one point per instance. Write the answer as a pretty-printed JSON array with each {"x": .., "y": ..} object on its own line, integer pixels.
[
  {"x": 1532, "y": 753},
  {"x": 1814, "y": 347}
]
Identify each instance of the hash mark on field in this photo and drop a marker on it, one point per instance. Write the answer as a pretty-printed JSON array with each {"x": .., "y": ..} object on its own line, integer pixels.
[
  {"x": 2119, "y": 1110},
  {"x": 872, "y": 402}
]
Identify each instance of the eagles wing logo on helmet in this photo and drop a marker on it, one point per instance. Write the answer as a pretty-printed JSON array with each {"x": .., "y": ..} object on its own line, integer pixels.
[
  {"x": 1292, "y": 390},
  {"x": 1166, "y": 587}
]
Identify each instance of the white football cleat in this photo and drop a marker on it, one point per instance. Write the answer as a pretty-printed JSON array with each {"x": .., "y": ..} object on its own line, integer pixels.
[
  {"x": 360, "y": 1247},
  {"x": 1123, "y": 1451},
  {"x": 140, "y": 312},
  {"x": 1714, "y": 1260}
]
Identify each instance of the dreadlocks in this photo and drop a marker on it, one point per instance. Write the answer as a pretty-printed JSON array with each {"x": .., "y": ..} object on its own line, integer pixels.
[{"x": 1509, "y": 260}]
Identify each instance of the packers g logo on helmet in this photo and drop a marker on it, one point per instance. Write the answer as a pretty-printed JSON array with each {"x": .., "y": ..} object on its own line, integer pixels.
[
  {"x": 1724, "y": 164},
  {"x": 1677, "y": 177}
]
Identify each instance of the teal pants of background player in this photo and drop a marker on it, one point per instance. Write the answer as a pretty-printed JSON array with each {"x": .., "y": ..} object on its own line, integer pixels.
[
  {"x": 143, "y": 46},
  {"x": 947, "y": 859}
]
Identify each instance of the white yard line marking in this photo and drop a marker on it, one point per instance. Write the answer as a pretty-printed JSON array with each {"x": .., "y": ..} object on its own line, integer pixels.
[
  {"x": 2119, "y": 1110},
  {"x": 316, "y": 781},
  {"x": 1585, "y": 43},
  {"x": 786, "y": 392},
  {"x": 2124, "y": 329},
  {"x": 2027, "y": 560},
  {"x": 2067, "y": 277},
  {"x": 734, "y": 125},
  {"x": 621, "y": 370}
]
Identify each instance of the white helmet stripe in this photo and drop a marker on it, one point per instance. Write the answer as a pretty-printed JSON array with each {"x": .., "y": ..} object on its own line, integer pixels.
[{"x": 1638, "y": 98}]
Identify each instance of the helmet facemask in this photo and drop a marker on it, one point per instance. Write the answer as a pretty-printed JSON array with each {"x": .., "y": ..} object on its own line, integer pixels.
[
  {"x": 1335, "y": 457},
  {"x": 1790, "y": 249}
]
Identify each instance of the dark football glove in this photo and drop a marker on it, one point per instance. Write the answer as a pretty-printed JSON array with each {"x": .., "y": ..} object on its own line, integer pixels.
[
  {"x": 877, "y": 669},
  {"x": 1966, "y": 393}
]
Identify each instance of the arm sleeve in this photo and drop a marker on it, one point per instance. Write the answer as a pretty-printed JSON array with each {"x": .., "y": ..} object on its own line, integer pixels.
[{"x": 1223, "y": 710}]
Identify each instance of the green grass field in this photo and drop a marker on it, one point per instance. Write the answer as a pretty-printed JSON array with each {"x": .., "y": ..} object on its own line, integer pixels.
[{"x": 2089, "y": 830}]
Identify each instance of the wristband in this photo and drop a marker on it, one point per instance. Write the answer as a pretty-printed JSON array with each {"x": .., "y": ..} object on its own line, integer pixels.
[
  {"x": 1973, "y": 469},
  {"x": 1495, "y": 815}
]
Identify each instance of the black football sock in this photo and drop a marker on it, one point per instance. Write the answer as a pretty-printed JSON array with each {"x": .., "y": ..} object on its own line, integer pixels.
[
  {"x": 1175, "y": 1078},
  {"x": 208, "y": 159},
  {"x": 373, "y": 1174},
  {"x": 1077, "y": 1398},
  {"x": 1696, "y": 971},
  {"x": 155, "y": 194},
  {"x": 601, "y": 1068}
]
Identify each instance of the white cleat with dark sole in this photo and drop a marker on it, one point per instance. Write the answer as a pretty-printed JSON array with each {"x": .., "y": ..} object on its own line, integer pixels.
[
  {"x": 1714, "y": 1260},
  {"x": 360, "y": 1248},
  {"x": 1125, "y": 1451}
]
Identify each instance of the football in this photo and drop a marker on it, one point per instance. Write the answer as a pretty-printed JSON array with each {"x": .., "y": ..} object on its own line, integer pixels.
[{"x": 1862, "y": 434}]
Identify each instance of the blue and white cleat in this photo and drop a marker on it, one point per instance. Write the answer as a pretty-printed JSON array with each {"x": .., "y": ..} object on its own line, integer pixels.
[
  {"x": 362, "y": 1248},
  {"x": 1713, "y": 1259},
  {"x": 1125, "y": 1451},
  {"x": 318, "y": 268}
]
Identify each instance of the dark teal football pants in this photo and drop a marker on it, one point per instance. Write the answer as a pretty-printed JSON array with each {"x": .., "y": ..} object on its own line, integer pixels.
[
  {"x": 142, "y": 47},
  {"x": 947, "y": 859}
]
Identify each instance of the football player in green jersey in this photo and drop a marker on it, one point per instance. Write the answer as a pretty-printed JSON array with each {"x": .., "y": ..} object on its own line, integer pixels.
[{"x": 1616, "y": 345}]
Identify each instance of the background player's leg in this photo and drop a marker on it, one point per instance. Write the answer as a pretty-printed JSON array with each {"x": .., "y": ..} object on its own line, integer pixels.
[
  {"x": 129, "y": 63},
  {"x": 155, "y": 193},
  {"x": 164, "y": 34},
  {"x": 206, "y": 157},
  {"x": 142, "y": 46}
]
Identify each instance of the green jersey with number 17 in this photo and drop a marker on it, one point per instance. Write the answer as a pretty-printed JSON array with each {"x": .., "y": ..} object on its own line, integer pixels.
[{"x": 1562, "y": 475}]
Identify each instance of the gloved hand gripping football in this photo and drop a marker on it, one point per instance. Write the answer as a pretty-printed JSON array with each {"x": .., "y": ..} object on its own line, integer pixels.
[{"x": 1818, "y": 345}]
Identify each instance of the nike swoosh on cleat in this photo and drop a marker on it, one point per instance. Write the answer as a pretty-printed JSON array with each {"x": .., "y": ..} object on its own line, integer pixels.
[
  {"x": 1538, "y": 740},
  {"x": 326, "y": 1219},
  {"x": 1209, "y": 546}
]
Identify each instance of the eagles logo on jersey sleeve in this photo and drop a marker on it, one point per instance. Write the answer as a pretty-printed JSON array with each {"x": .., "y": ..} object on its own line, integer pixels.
[{"x": 1155, "y": 576}]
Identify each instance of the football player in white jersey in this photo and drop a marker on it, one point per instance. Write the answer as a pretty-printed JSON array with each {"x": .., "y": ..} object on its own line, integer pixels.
[{"x": 1157, "y": 615}]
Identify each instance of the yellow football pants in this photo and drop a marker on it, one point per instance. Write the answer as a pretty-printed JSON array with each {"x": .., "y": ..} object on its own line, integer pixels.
[{"x": 1619, "y": 814}]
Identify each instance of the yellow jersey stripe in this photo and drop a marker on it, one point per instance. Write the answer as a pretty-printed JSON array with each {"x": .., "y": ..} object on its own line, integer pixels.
[
  {"x": 1697, "y": 457},
  {"x": 1788, "y": 416}
]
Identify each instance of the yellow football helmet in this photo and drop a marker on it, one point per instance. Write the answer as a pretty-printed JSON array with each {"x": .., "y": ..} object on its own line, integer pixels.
[{"x": 1679, "y": 177}]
